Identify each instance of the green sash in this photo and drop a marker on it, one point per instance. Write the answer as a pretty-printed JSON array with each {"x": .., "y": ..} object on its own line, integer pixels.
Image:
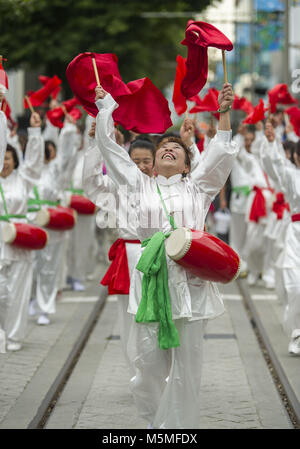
[
  {"x": 8, "y": 216},
  {"x": 244, "y": 190},
  {"x": 38, "y": 202},
  {"x": 155, "y": 305}
]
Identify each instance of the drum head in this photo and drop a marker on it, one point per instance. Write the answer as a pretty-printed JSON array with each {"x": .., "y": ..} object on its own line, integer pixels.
[
  {"x": 42, "y": 217},
  {"x": 178, "y": 243},
  {"x": 9, "y": 232}
]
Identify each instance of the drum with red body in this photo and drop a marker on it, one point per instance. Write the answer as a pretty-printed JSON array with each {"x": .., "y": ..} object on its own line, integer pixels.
[
  {"x": 204, "y": 255},
  {"x": 57, "y": 219},
  {"x": 24, "y": 235},
  {"x": 82, "y": 205}
]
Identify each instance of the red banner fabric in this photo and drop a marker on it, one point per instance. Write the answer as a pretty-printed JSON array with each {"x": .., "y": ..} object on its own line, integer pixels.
[
  {"x": 38, "y": 97},
  {"x": 257, "y": 114},
  {"x": 199, "y": 36},
  {"x": 142, "y": 106}
]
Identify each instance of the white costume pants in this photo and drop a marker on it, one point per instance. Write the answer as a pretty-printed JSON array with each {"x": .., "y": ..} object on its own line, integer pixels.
[
  {"x": 291, "y": 278},
  {"x": 125, "y": 322},
  {"x": 15, "y": 289},
  {"x": 166, "y": 385},
  {"x": 79, "y": 248},
  {"x": 48, "y": 266},
  {"x": 237, "y": 235},
  {"x": 254, "y": 249}
]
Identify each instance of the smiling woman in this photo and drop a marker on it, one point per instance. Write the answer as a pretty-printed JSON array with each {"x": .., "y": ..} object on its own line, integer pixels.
[{"x": 170, "y": 305}]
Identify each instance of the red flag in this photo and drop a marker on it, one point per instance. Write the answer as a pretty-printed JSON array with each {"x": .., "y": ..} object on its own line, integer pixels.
[
  {"x": 3, "y": 76},
  {"x": 5, "y": 107},
  {"x": 142, "y": 107},
  {"x": 178, "y": 99},
  {"x": 44, "y": 80},
  {"x": 280, "y": 94},
  {"x": 199, "y": 36},
  {"x": 294, "y": 115},
  {"x": 243, "y": 104},
  {"x": 75, "y": 113},
  {"x": 56, "y": 115},
  {"x": 257, "y": 114},
  {"x": 208, "y": 103},
  {"x": 38, "y": 97}
]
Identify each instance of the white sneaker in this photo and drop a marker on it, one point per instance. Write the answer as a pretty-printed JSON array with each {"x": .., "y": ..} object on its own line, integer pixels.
[
  {"x": 32, "y": 310},
  {"x": 252, "y": 279},
  {"x": 78, "y": 286},
  {"x": 13, "y": 346},
  {"x": 43, "y": 319},
  {"x": 294, "y": 345}
]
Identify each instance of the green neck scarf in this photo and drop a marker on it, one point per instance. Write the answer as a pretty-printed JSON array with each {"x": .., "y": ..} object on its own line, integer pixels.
[{"x": 155, "y": 305}]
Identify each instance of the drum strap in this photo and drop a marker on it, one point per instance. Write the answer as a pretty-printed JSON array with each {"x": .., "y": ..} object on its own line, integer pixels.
[
  {"x": 7, "y": 216},
  {"x": 169, "y": 217},
  {"x": 75, "y": 191},
  {"x": 38, "y": 202}
]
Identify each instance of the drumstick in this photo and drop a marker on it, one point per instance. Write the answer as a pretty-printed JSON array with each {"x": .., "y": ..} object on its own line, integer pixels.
[
  {"x": 224, "y": 66},
  {"x": 29, "y": 104},
  {"x": 96, "y": 71}
]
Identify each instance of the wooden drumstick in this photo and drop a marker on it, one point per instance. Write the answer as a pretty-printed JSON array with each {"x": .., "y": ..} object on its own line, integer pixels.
[
  {"x": 224, "y": 66},
  {"x": 96, "y": 71},
  {"x": 29, "y": 104}
]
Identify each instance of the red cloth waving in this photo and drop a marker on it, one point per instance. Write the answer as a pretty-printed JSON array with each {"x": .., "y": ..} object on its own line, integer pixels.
[
  {"x": 5, "y": 107},
  {"x": 38, "y": 97},
  {"x": 3, "y": 77},
  {"x": 257, "y": 114},
  {"x": 178, "y": 99},
  {"x": 294, "y": 114},
  {"x": 44, "y": 80},
  {"x": 279, "y": 94},
  {"x": 142, "y": 106},
  {"x": 243, "y": 104},
  {"x": 209, "y": 103},
  {"x": 56, "y": 115},
  {"x": 199, "y": 36}
]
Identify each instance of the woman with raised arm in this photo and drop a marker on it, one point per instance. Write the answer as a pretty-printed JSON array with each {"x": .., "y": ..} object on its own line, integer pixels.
[
  {"x": 167, "y": 355},
  {"x": 16, "y": 263},
  {"x": 287, "y": 178}
]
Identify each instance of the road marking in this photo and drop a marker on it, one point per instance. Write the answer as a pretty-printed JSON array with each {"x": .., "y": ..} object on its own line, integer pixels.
[
  {"x": 255, "y": 297},
  {"x": 112, "y": 298},
  {"x": 77, "y": 299}
]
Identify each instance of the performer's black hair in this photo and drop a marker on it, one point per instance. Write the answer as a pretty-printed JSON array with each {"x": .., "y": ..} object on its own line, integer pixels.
[
  {"x": 47, "y": 151},
  {"x": 142, "y": 142},
  {"x": 12, "y": 150}
]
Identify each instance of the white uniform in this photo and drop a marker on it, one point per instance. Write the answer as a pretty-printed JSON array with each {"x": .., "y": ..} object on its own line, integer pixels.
[
  {"x": 288, "y": 178},
  {"x": 174, "y": 404},
  {"x": 48, "y": 262},
  {"x": 16, "y": 263}
]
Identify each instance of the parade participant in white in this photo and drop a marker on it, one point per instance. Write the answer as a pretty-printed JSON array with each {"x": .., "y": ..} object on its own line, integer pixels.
[
  {"x": 289, "y": 180},
  {"x": 16, "y": 263},
  {"x": 174, "y": 404},
  {"x": 48, "y": 262}
]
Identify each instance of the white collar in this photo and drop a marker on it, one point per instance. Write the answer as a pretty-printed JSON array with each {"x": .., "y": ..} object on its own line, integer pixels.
[{"x": 168, "y": 181}]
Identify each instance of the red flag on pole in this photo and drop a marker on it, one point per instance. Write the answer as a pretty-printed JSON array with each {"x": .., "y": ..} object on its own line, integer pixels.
[
  {"x": 243, "y": 104},
  {"x": 44, "y": 80},
  {"x": 56, "y": 115},
  {"x": 142, "y": 106},
  {"x": 257, "y": 114},
  {"x": 280, "y": 95},
  {"x": 38, "y": 97},
  {"x": 3, "y": 77},
  {"x": 294, "y": 115},
  {"x": 199, "y": 36},
  {"x": 178, "y": 99}
]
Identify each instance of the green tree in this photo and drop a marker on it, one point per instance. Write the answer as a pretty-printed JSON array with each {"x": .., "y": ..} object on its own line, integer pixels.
[{"x": 48, "y": 34}]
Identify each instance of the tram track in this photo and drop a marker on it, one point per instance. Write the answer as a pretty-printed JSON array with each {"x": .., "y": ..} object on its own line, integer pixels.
[
  {"x": 280, "y": 379},
  {"x": 47, "y": 405}
]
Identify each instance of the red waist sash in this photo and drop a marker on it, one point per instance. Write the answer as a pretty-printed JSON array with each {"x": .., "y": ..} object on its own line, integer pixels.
[
  {"x": 280, "y": 205},
  {"x": 258, "y": 208},
  {"x": 296, "y": 217},
  {"x": 117, "y": 276}
]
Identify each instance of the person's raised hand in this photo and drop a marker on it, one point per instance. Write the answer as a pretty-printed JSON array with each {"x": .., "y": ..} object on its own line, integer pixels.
[
  {"x": 187, "y": 131},
  {"x": 226, "y": 97},
  {"x": 100, "y": 93}
]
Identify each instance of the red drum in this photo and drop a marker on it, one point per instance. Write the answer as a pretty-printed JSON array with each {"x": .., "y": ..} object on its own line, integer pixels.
[
  {"x": 24, "y": 235},
  {"x": 82, "y": 205},
  {"x": 57, "y": 219},
  {"x": 204, "y": 255}
]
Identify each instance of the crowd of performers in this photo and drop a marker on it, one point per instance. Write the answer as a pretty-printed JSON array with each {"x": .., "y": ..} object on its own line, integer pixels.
[{"x": 141, "y": 189}]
